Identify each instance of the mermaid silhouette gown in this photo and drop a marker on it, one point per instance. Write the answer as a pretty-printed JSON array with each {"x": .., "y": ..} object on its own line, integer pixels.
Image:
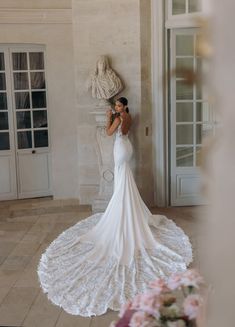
[{"x": 106, "y": 259}]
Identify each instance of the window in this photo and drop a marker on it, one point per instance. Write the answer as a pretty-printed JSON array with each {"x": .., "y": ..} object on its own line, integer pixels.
[{"x": 184, "y": 7}]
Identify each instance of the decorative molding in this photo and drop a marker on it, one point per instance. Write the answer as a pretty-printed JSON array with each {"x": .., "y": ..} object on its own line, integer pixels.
[
  {"x": 35, "y": 16},
  {"x": 183, "y": 21},
  {"x": 186, "y": 190}
]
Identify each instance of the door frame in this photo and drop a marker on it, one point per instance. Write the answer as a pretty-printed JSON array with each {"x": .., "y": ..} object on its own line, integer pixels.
[
  {"x": 8, "y": 48},
  {"x": 161, "y": 23},
  {"x": 159, "y": 95},
  {"x": 10, "y": 154}
]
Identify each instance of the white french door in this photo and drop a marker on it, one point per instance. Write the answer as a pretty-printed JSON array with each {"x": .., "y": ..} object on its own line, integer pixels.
[
  {"x": 191, "y": 119},
  {"x": 8, "y": 181},
  {"x": 24, "y": 139}
]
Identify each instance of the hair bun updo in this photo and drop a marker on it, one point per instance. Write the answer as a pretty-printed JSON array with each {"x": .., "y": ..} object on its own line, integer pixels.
[{"x": 124, "y": 101}]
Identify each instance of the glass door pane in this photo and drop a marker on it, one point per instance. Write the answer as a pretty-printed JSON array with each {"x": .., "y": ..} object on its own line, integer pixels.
[
  {"x": 192, "y": 115},
  {"x": 184, "y": 7},
  {"x": 19, "y": 61},
  {"x": 4, "y": 113},
  {"x": 184, "y": 46},
  {"x": 30, "y": 99},
  {"x": 2, "y": 61},
  {"x": 184, "y": 156},
  {"x": 3, "y": 101},
  {"x": 178, "y": 7},
  {"x": 184, "y": 112},
  {"x": 193, "y": 6}
]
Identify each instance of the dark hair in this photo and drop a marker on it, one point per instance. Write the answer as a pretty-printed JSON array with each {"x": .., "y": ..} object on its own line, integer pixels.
[{"x": 124, "y": 101}]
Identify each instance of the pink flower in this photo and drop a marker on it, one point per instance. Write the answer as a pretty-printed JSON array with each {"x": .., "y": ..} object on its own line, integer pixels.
[
  {"x": 125, "y": 320},
  {"x": 148, "y": 302},
  {"x": 174, "y": 281},
  {"x": 159, "y": 285},
  {"x": 191, "y": 305},
  {"x": 140, "y": 319},
  {"x": 124, "y": 308},
  {"x": 191, "y": 278},
  {"x": 136, "y": 303}
]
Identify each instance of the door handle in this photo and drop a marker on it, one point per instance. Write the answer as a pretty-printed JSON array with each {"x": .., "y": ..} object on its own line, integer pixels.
[{"x": 33, "y": 151}]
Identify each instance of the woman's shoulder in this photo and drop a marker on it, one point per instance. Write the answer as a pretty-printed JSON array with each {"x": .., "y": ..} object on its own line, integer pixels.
[{"x": 117, "y": 120}]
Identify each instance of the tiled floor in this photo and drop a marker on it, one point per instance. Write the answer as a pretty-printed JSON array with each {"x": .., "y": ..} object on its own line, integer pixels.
[{"x": 26, "y": 229}]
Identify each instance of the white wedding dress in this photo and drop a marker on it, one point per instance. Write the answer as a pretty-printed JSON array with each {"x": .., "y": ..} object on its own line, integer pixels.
[{"x": 106, "y": 259}]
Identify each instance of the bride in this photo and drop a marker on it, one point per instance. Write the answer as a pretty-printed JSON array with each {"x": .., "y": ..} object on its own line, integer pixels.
[{"x": 108, "y": 258}]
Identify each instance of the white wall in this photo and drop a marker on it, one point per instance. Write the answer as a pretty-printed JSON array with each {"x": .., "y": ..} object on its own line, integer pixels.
[{"x": 58, "y": 40}]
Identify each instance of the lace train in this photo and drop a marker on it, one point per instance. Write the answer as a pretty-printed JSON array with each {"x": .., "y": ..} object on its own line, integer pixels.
[{"x": 88, "y": 288}]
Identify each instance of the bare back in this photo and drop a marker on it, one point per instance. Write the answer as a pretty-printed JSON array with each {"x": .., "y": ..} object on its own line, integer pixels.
[{"x": 126, "y": 123}]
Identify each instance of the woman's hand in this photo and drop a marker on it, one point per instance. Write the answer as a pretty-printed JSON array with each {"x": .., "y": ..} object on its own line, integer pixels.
[{"x": 109, "y": 114}]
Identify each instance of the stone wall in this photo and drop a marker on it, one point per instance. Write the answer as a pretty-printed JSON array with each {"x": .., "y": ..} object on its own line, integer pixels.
[
  {"x": 121, "y": 30},
  {"x": 34, "y": 4}
]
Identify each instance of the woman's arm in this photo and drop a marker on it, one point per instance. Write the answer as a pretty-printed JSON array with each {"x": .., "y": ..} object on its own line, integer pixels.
[{"x": 111, "y": 127}]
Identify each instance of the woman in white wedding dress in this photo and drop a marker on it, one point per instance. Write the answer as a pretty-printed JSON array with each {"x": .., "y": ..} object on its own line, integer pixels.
[{"x": 108, "y": 258}]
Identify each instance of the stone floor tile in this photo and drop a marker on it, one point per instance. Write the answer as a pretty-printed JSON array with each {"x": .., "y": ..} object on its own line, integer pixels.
[
  {"x": 24, "y": 219},
  {"x": 71, "y": 202},
  {"x": 6, "y": 247},
  {"x": 27, "y": 212},
  {"x": 60, "y": 227},
  {"x": 4, "y": 214},
  {"x": 37, "y": 238},
  {"x": 2, "y": 259},
  {"x": 42, "y": 313},
  {"x": 42, "y": 227},
  {"x": 16, "y": 262},
  {"x": 12, "y": 236},
  {"x": 9, "y": 277},
  {"x": 25, "y": 249},
  {"x": 16, "y": 304},
  {"x": 67, "y": 320},
  {"x": 15, "y": 226},
  {"x": 33, "y": 263},
  {"x": 28, "y": 278},
  {"x": 3, "y": 293},
  {"x": 49, "y": 218},
  {"x": 47, "y": 204},
  {"x": 72, "y": 217}
]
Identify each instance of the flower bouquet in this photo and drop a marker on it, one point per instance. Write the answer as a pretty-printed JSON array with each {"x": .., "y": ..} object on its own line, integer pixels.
[{"x": 174, "y": 302}]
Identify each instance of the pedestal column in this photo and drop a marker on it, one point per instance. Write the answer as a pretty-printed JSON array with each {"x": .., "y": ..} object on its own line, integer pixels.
[{"x": 104, "y": 150}]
